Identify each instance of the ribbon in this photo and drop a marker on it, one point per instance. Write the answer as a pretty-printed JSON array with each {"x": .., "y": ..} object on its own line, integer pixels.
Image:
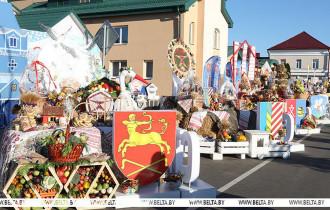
[{"x": 35, "y": 67}]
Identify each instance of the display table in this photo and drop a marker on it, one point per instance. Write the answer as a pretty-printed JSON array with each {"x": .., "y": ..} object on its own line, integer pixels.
[{"x": 15, "y": 144}]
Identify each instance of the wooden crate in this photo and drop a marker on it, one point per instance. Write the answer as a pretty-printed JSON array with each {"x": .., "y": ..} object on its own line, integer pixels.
[
  {"x": 207, "y": 147},
  {"x": 5, "y": 190},
  {"x": 239, "y": 148},
  {"x": 103, "y": 166},
  {"x": 53, "y": 173},
  {"x": 66, "y": 186}
]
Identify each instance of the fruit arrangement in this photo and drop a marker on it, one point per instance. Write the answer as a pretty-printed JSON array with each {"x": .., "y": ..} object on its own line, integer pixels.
[
  {"x": 225, "y": 137},
  {"x": 21, "y": 188},
  {"x": 103, "y": 84},
  {"x": 43, "y": 181},
  {"x": 104, "y": 186},
  {"x": 130, "y": 186},
  {"x": 82, "y": 180},
  {"x": 175, "y": 180},
  {"x": 63, "y": 172}
]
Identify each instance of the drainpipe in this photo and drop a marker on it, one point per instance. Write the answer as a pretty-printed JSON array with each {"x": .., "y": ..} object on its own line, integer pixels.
[
  {"x": 179, "y": 22},
  {"x": 328, "y": 63}
]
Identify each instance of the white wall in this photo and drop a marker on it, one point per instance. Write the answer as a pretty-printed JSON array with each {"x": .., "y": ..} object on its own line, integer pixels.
[{"x": 213, "y": 18}]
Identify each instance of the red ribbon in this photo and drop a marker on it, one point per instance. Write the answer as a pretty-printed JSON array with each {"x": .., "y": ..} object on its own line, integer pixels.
[{"x": 35, "y": 67}]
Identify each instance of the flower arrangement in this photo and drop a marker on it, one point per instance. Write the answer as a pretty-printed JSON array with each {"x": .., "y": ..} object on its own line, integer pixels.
[{"x": 299, "y": 87}]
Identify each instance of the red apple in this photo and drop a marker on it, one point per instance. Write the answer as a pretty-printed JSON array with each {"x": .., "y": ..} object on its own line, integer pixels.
[
  {"x": 64, "y": 179},
  {"x": 60, "y": 173},
  {"x": 64, "y": 168}
]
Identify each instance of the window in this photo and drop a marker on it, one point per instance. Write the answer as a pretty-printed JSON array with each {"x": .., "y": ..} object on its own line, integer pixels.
[
  {"x": 13, "y": 87},
  {"x": 191, "y": 33},
  {"x": 315, "y": 63},
  {"x": 13, "y": 41},
  {"x": 12, "y": 65},
  {"x": 298, "y": 64},
  {"x": 123, "y": 35},
  {"x": 216, "y": 39},
  {"x": 116, "y": 66},
  {"x": 283, "y": 61},
  {"x": 148, "y": 69},
  {"x": 84, "y": 1}
]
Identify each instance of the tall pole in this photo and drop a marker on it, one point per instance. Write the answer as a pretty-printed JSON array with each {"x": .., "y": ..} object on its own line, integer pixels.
[{"x": 104, "y": 47}]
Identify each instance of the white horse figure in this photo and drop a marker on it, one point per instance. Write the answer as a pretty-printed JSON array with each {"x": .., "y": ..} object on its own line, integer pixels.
[{"x": 125, "y": 101}]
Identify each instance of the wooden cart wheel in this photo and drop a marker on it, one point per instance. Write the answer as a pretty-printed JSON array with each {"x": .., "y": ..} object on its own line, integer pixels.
[
  {"x": 286, "y": 155},
  {"x": 261, "y": 156}
]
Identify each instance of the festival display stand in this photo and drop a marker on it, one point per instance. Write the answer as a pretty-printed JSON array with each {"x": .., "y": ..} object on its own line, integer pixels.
[
  {"x": 14, "y": 174},
  {"x": 54, "y": 193},
  {"x": 101, "y": 166},
  {"x": 310, "y": 125}
]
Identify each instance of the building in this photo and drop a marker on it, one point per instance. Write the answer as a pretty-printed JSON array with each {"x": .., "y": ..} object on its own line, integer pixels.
[
  {"x": 303, "y": 52},
  {"x": 13, "y": 60},
  {"x": 146, "y": 28}
]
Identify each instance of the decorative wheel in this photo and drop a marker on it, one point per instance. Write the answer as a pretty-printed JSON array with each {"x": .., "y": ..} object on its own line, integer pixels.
[
  {"x": 261, "y": 156},
  {"x": 286, "y": 155}
]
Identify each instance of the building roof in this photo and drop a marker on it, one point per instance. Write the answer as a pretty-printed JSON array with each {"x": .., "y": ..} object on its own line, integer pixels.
[
  {"x": 230, "y": 53},
  {"x": 103, "y": 8},
  {"x": 53, "y": 110},
  {"x": 114, "y": 8},
  {"x": 7, "y": 16},
  {"x": 263, "y": 61},
  {"x": 30, "y": 21},
  {"x": 302, "y": 41}
]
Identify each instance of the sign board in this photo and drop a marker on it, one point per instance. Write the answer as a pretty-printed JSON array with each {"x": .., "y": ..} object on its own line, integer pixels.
[
  {"x": 152, "y": 91},
  {"x": 269, "y": 117},
  {"x": 99, "y": 102},
  {"x": 297, "y": 109},
  {"x": 135, "y": 86},
  {"x": 144, "y": 143},
  {"x": 318, "y": 105},
  {"x": 107, "y": 37}
]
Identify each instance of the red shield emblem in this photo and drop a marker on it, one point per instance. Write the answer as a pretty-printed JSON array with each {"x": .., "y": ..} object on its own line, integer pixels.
[{"x": 144, "y": 143}]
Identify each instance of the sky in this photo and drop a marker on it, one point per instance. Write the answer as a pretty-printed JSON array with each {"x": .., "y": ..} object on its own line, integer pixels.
[{"x": 266, "y": 23}]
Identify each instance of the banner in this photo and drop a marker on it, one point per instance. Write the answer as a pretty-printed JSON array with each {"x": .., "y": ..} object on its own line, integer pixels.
[
  {"x": 252, "y": 62},
  {"x": 245, "y": 50},
  {"x": 211, "y": 73},
  {"x": 235, "y": 47},
  {"x": 269, "y": 117},
  {"x": 132, "y": 201}
]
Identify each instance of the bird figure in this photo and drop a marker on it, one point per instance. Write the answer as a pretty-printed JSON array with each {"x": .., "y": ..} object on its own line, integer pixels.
[{"x": 125, "y": 101}]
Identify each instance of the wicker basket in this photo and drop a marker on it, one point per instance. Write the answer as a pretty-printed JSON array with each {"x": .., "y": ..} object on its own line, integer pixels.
[
  {"x": 301, "y": 95},
  {"x": 55, "y": 150},
  {"x": 55, "y": 153}
]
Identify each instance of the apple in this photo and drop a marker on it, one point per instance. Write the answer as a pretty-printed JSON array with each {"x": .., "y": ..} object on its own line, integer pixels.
[
  {"x": 67, "y": 173},
  {"x": 64, "y": 180},
  {"x": 64, "y": 168},
  {"x": 60, "y": 173},
  {"x": 36, "y": 173}
]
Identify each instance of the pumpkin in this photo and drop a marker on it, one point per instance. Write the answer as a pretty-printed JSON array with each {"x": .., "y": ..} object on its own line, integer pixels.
[{"x": 241, "y": 138}]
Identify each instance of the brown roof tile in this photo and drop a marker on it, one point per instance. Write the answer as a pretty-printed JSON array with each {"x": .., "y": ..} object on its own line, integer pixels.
[{"x": 301, "y": 41}]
